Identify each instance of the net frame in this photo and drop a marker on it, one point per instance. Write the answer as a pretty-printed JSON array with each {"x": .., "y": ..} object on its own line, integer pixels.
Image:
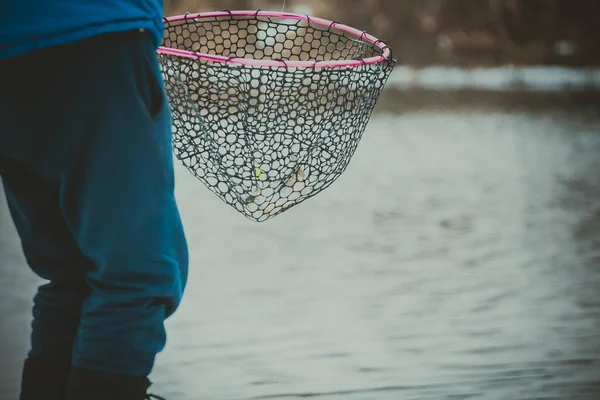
[{"x": 192, "y": 141}]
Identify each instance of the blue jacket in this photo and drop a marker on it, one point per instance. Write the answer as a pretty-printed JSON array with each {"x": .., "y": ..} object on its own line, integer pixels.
[{"x": 27, "y": 25}]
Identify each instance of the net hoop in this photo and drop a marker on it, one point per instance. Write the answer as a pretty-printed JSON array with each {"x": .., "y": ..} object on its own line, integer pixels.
[
  {"x": 268, "y": 108},
  {"x": 386, "y": 53}
]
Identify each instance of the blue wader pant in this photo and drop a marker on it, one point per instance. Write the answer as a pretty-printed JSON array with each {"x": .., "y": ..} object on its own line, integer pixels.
[{"x": 87, "y": 168}]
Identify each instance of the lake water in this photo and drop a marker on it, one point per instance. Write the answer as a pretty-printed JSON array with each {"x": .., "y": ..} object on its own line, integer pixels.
[{"x": 457, "y": 258}]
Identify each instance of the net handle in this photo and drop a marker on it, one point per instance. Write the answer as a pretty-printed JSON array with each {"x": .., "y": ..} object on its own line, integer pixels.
[{"x": 385, "y": 50}]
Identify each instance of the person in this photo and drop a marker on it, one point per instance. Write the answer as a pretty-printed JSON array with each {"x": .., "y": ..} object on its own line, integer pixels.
[{"x": 87, "y": 168}]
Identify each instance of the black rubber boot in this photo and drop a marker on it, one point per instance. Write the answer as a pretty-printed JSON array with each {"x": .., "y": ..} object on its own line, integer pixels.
[
  {"x": 93, "y": 385},
  {"x": 44, "y": 379}
]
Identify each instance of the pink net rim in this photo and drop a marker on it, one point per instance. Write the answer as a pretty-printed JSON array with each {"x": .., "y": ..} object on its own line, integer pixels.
[{"x": 385, "y": 50}]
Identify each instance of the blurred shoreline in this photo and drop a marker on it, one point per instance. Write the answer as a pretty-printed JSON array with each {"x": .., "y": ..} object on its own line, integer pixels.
[
  {"x": 440, "y": 88},
  {"x": 531, "y": 78},
  {"x": 420, "y": 99}
]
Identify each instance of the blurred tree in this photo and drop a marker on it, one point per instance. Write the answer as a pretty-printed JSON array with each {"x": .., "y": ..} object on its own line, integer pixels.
[{"x": 466, "y": 32}]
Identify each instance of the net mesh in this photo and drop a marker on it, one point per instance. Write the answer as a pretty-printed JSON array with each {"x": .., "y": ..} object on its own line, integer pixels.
[{"x": 265, "y": 139}]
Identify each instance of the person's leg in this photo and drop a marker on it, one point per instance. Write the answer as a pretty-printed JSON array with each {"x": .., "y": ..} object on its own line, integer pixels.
[
  {"x": 117, "y": 196},
  {"x": 52, "y": 253},
  {"x": 107, "y": 144},
  {"x": 47, "y": 243}
]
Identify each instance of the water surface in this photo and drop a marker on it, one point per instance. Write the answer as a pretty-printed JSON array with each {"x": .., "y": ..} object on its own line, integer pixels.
[{"x": 457, "y": 258}]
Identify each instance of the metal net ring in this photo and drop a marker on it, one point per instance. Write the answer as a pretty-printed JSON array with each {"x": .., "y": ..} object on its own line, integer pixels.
[{"x": 268, "y": 108}]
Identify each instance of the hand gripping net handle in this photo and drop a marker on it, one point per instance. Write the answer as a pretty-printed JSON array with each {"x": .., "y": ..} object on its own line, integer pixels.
[{"x": 268, "y": 108}]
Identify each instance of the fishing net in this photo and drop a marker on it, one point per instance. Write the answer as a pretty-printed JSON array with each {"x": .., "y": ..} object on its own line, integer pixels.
[{"x": 268, "y": 108}]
